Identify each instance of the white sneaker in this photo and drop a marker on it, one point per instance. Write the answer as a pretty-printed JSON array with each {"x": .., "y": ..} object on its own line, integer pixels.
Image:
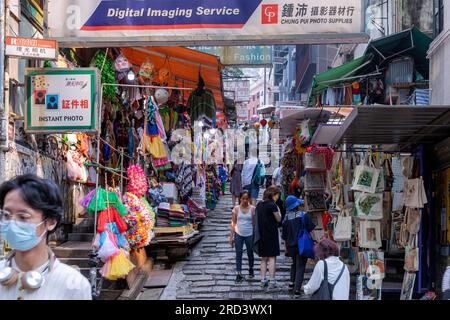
[{"x": 273, "y": 284}]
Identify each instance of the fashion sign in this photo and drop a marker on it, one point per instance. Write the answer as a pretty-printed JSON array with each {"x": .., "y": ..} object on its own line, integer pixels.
[{"x": 99, "y": 21}]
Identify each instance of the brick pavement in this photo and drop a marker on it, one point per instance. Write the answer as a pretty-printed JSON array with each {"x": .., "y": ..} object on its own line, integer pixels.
[{"x": 209, "y": 272}]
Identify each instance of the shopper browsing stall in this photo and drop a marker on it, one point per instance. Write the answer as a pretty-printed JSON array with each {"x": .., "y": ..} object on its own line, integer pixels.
[
  {"x": 242, "y": 224},
  {"x": 330, "y": 268},
  {"x": 30, "y": 209},
  {"x": 294, "y": 222},
  {"x": 267, "y": 243}
]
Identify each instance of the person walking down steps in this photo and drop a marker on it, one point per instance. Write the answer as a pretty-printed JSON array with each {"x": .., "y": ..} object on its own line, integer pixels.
[
  {"x": 266, "y": 242},
  {"x": 242, "y": 224},
  {"x": 293, "y": 224}
]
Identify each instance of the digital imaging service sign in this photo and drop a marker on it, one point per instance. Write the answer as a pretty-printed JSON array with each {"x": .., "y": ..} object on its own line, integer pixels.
[
  {"x": 93, "y": 22},
  {"x": 61, "y": 100}
]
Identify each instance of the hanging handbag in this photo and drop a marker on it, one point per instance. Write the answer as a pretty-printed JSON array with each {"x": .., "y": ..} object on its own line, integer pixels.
[
  {"x": 343, "y": 227},
  {"x": 366, "y": 179},
  {"x": 369, "y": 206},
  {"x": 412, "y": 256},
  {"x": 412, "y": 218},
  {"x": 370, "y": 235},
  {"x": 415, "y": 196}
]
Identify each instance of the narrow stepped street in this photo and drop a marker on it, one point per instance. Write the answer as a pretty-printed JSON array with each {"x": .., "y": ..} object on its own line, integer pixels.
[{"x": 209, "y": 272}]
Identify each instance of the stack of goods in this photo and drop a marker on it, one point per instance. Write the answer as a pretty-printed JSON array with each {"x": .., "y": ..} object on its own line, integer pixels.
[
  {"x": 162, "y": 220},
  {"x": 197, "y": 212},
  {"x": 213, "y": 187},
  {"x": 177, "y": 216}
]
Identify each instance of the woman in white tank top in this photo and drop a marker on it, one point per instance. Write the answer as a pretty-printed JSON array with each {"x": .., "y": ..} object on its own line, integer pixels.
[{"x": 242, "y": 224}]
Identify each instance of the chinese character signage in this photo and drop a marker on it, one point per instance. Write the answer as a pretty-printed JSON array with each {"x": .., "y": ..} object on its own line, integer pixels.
[
  {"x": 89, "y": 23},
  {"x": 31, "y": 48},
  {"x": 242, "y": 56},
  {"x": 61, "y": 100},
  {"x": 239, "y": 91}
]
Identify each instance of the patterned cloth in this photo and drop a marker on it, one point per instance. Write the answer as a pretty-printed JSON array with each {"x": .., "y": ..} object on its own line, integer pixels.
[{"x": 183, "y": 180}]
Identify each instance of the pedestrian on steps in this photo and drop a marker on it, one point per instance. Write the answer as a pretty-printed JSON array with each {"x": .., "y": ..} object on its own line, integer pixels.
[
  {"x": 242, "y": 225},
  {"x": 338, "y": 275},
  {"x": 31, "y": 209},
  {"x": 292, "y": 227},
  {"x": 236, "y": 182},
  {"x": 267, "y": 242}
]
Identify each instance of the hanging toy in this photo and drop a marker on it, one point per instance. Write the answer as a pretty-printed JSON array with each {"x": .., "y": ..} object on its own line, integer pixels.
[
  {"x": 257, "y": 125},
  {"x": 162, "y": 96},
  {"x": 137, "y": 184},
  {"x": 356, "y": 93},
  {"x": 164, "y": 75},
  {"x": 147, "y": 70},
  {"x": 122, "y": 64},
  {"x": 271, "y": 124}
]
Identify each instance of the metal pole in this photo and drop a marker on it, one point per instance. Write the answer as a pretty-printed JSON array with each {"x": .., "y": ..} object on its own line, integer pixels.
[
  {"x": 265, "y": 86},
  {"x": 93, "y": 255},
  {"x": 3, "y": 108},
  {"x": 121, "y": 169}
]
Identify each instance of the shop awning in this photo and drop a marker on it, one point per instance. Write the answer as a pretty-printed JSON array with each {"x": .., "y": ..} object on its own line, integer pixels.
[
  {"x": 337, "y": 75},
  {"x": 185, "y": 66},
  {"x": 404, "y": 126},
  {"x": 290, "y": 118},
  {"x": 410, "y": 42}
]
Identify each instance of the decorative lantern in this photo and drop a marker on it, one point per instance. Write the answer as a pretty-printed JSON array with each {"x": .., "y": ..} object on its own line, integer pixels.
[
  {"x": 164, "y": 75},
  {"x": 263, "y": 122},
  {"x": 271, "y": 124},
  {"x": 257, "y": 125}
]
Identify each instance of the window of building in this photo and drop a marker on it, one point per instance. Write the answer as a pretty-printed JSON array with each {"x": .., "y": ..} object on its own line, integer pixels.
[{"x": 438, "y": 17}]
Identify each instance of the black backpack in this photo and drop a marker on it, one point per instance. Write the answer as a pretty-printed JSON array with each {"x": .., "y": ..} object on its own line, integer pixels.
[{"x": 325, "y": 291}]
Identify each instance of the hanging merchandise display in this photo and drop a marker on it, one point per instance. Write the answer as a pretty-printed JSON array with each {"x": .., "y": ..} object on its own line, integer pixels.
[
  {"x": 147, "y": 70},
  {"x": 202, "y": 104}
]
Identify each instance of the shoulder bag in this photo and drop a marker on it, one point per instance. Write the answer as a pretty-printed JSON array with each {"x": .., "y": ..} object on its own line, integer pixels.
[{"x": 325, "y": 291}]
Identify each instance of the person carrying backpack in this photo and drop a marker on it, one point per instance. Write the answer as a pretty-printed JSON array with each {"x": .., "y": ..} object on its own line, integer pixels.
[
  {"x": 330, "y": 279},
  {"x": 253, "y": 175},
  {"x": 294, "y": 224}
]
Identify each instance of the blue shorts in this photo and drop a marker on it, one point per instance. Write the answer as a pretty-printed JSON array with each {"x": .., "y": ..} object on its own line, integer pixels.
[{"x": 253, "y": 190}]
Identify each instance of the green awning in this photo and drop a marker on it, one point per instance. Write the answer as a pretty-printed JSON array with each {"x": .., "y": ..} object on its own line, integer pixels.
[
  {"x": 411, "y": 42},
  {"x": 379, "y": 53},
  {"x": 334, "y": 76}
]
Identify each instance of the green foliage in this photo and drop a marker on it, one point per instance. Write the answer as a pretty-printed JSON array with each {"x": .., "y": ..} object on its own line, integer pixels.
[{"x": 108, "y": 74}]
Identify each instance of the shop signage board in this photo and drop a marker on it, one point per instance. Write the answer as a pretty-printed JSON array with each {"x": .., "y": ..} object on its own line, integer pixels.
[
  {"x": 240, "y": 88},
  {"x": 90, "y": 23},
  {"x": 242, "y": 110},
  {"x": 240, "y": 56},
  {"x": 61, "y": 100},
  {"x": 31, "y": 48}
]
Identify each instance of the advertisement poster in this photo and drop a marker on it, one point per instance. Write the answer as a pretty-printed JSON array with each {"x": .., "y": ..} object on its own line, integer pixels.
[
  {"x": 61, "y": 100},
  {"x": 243, "y": 56},
  {"x": 91, "y": 22}
]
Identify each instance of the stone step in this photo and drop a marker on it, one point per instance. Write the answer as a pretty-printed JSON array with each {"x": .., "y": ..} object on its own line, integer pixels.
[
  {"x": 79, "y": 262},
  {"x": 85, "y": 221},
  {"x": 83, "y": 229},
  {"x": 82, "y": 237},
  {"x": 73, "y": 249}
]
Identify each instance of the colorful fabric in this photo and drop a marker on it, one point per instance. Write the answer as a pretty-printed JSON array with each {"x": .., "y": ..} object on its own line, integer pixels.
[{"x": 105, "y": 200}]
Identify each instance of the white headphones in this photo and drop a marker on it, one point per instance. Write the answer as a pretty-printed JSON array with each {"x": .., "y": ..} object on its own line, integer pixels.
[{"x": 31, "y": 280}]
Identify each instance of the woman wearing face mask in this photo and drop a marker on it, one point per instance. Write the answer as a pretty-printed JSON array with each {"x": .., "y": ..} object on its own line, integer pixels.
[{"x": 30, "y": 209}]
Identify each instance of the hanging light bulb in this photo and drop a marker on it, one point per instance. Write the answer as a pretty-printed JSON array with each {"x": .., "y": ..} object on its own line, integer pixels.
[
  {"x": 212, "y": 131},
  {"x": 131, "y": 76},
  {"x": 200, "y": 124},
  {"x": 206, "y": 135}
]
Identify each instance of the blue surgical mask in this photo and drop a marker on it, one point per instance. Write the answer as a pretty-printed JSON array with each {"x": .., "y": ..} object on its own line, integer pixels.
[{"x": 21, "y": 236}]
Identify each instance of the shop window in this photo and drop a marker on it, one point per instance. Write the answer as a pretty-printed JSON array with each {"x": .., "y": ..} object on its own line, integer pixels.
[{"x": 438, "y": 17}]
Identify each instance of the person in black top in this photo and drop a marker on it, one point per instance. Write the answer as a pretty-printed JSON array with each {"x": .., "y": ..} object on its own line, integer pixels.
[
  {"x": 292, "y": 226},
  {"x": 267, "y": 243}
]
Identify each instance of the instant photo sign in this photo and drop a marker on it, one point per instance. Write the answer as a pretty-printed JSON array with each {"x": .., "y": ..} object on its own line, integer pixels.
[
  {"x": 61, "y": 100},
  {"x": 87, "y": 23}
]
